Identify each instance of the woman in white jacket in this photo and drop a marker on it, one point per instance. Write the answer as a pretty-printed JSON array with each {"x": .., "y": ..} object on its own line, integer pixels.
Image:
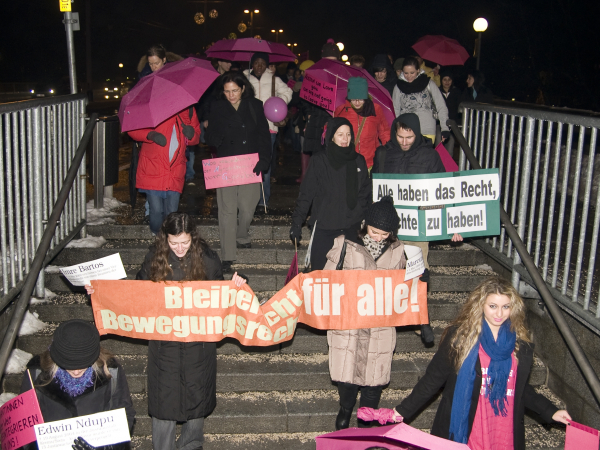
[{"x": 267, "y": 85}]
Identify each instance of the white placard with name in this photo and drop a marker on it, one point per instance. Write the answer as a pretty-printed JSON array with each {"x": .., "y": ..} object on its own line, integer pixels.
[
  {"x": 105, "y": 428},
  {"x": 415, "y": 265},
  {"x": 107, "y": 268}
]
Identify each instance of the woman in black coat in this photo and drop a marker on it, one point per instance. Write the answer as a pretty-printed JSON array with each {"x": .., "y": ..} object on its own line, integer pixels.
[
  {"x": 237, "y": 126},
  {"x": 476, "y": 91},
  {"x": 484, "y": 412},
  {"x": 338, "y": 188},
  {"x": 76, "y": 377}
]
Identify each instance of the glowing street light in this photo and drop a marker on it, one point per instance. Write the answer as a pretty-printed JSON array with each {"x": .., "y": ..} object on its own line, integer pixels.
[
  {"x": 277, "y": 34},
  {"x": 340, "y": 46},
  {"x": 255, "y": 11},
  {"x": 344, "y": 58},
  {"x": 480, "y": 25}
]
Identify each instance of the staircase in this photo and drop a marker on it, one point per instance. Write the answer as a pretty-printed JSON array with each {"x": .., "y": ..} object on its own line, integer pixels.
[{"x": 277, "y": 397}]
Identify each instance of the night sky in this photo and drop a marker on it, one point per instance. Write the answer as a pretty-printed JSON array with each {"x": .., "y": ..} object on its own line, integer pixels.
[{"x": 530, "y": 45}]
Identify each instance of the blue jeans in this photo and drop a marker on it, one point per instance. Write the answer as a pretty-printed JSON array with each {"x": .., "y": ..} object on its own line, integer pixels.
[
  {"x": 160, "y": 207},
  {"x": 189, "y": 167},
  {"x": 267, "y": 178}
]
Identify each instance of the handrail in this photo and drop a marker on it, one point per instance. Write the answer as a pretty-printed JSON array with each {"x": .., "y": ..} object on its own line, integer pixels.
[
  {"x": 34, "y": 103},
  {"x": 553, "y": 308},
  {"x": 40, "y": 254}
]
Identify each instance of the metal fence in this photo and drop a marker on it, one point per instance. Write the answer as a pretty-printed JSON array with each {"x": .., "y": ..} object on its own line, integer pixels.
[
  {"x": 549, "y": 168},
  {"x": 38, "y": 139}
]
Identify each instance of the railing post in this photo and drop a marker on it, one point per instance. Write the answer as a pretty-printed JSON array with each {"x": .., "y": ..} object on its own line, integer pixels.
[
  {"x": 99, "y": 153},
  {"x": 462, "y": 161},
  {"x": 82, "y": 170},
  {"x": 524, "y": 194},
  {"x": 38, "y": 216}
]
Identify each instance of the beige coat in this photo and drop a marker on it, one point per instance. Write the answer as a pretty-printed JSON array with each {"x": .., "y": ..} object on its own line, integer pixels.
[{"x": 363, "y": 356}]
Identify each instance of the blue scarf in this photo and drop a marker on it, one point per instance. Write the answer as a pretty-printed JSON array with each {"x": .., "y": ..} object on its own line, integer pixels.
[
  {"x": 74, "y": 386},
  {"x": 500, "y": 352}
]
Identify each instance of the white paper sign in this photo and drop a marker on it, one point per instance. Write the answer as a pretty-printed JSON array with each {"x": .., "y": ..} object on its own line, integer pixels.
[
  {"x": 462, "y": 219},
  {"x": 107, "y": 268},
  {"x": 105, "y": 428},
  {"x": 433, "y": 217},
  {"x": 409, "y": 222},
  {"x": 415, "y": 265}
]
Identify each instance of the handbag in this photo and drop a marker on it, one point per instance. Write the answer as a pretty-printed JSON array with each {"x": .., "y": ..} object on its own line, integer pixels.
[{"x": 284, "y": 122}]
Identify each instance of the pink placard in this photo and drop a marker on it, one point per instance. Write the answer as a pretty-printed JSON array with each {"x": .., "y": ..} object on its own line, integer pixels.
[
  {"x": 449, "y": 163},
  {"x": 318, "y": 92},
  {"x": 581, "y": 437},
  {"x": 230, "y": 171},
  {"x": 17, "y": 418}
]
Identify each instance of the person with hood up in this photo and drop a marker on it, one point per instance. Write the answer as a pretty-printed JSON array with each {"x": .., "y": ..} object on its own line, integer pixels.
[
  {"x": 76, "y": 377},
  {"x": 362, "y": 359},
  {"x": 366, "y": 117},
  {"x": 338, "y": 188},
  {"x": 384, "y": 72},
  {"x": 416, "y": 93},
  {"x": 266, "y": 85},
  {"x": 409, "y": 152},
  {"x": 476, "y": 91}
]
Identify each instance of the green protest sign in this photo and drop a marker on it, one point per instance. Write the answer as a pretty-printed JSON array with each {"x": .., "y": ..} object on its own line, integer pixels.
[{"x": 434, "y": 206}]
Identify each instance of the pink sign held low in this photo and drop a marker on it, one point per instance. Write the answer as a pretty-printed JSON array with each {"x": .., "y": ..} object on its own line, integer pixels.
[
  {"x": 230, "y": 171},
  {"x": 17, "y": 419},
  {"x": 319, "y": 92}
]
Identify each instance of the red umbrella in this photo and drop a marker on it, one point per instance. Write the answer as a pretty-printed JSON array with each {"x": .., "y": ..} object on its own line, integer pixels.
[
  {"x": 243, "y": 49},
  {"x": 441, "y": 50},
  {"x": 163, "y": 94},
  {"x": 333, "y": 83}
]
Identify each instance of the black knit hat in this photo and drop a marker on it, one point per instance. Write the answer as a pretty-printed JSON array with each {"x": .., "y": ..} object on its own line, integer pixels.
[
  {"x": 330, "y": 49},
  {"x": 261, "y": 55},
  {"x": 75, "y": 345},
  {"x": 382, "y": 215}
]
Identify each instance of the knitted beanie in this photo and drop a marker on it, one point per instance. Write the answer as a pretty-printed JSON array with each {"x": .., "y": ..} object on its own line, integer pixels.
[
  {"x": 75, "y": 345},
  {"x": 382, "y": 215},
  {"x": 357, "y": 89},
  {"x": 330, "y": 49}
]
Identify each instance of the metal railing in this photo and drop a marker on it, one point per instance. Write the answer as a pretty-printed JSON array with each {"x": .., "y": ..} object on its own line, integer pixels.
[
  {"x": 550, "y": 191},
  {"x": 38, "y": 141},
  {"x": 532, "y": 270}
]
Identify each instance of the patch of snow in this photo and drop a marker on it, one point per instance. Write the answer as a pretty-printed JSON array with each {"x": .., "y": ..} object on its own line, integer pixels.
[
  {"x": 48, "y": 295},
  {"x": 484, "y": 267},
  {"x": 52, "y": 269},
  {"x": 87, "y": 242},
  {"x": 103, "y": 215},
  {"x": 18, "y": 361},
  {"x": 31, "y": 324},
  {"x": 6, "y": 396}
]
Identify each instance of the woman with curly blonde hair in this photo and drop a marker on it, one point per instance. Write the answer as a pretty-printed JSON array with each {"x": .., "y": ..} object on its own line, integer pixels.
[{"x": 483, "y": 364}]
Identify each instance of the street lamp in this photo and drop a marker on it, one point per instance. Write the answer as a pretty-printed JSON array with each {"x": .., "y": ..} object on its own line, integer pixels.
[
  {"x": 247, "y": 11},
  {"x": 277, "y": 34},
  {"x": 480, "y": 25},
  {"x": 340, "y": 46}
]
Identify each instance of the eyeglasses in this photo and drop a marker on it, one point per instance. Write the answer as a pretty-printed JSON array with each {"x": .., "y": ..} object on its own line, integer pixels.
[{"x": 233, "y": 91}]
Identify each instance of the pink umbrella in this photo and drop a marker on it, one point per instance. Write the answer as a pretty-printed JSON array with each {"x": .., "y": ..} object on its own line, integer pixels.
[
  {"x": 163, "y": 94},
  {"x": 441, "y": 50},
  {"x": 329, "y": 79},
  {"x": 243, "y": 49}
]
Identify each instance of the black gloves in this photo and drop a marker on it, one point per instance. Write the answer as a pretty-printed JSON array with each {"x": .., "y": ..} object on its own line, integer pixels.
[
  {"x": 157, "y": 138},
  {"x": 425, "y": 276},
  {"x": 296, "y": 233},
  {"x": 80, "y": 443},
  {"x": 261, "y": 166},
  {"x": 188, "y": 131},
  {"x": 445, "y": 135}
]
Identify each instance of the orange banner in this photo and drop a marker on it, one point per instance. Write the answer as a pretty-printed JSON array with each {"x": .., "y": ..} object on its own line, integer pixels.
[{"x": 209, "y": 311}]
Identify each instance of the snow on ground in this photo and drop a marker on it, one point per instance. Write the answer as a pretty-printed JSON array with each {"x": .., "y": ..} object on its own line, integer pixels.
[
  {"x": 6, "y": 396},
  {"x": 103, "y": 215},
  {"x": 18, "y": 361},
  {"x": 48, "y": 295},
  {"x": 87, "y": 242},
  {"x": 31, "y": 324},
  {"x": 484, "y": 267}
]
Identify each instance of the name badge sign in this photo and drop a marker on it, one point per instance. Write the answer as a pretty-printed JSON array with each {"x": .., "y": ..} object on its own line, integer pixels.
[
  {"x": 435, "y": 206},
  {"x": 105, "y": 428}
]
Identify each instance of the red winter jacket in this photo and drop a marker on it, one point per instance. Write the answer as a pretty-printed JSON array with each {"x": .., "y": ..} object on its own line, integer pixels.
[
  {"x": 374, "y": 130},
  {"x": 155, "y": 171}
]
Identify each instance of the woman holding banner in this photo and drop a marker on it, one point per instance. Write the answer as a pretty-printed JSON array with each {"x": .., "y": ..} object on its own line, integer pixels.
[
  {"x": 362, "y": 359},
  {"x": 76, "y": 377},
  {"x": 337, "y": 188},
  {"x": 489, "y": 336}
]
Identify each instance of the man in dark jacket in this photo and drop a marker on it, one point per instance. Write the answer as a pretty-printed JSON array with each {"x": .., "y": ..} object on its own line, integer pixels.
[{"x": 384, "y": 72}]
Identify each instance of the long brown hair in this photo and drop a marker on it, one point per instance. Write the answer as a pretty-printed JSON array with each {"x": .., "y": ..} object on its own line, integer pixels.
[
  {"x": 175, "y": 224},
  {"x": 49, "y": 367},
  {"x": 468, "y": 322}
]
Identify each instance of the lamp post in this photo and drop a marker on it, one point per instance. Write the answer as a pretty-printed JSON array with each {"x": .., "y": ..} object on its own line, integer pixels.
[
  {"x": 247, "y": 11},
  {"x": 480, "y": 25},
  {"x": 276, "y": 34}
]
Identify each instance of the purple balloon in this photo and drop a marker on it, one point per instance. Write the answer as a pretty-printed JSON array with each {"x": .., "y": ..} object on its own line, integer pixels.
[{"x": 275, "y": 109}]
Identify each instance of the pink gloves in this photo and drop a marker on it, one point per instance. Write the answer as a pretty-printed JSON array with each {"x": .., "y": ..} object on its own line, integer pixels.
[{"x": 382, "y": 415}]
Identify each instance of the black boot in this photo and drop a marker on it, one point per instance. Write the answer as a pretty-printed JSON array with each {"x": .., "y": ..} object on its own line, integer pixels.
[
  {"x": 343, "y": 418},
  {"x": 427, "y": 335}
]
